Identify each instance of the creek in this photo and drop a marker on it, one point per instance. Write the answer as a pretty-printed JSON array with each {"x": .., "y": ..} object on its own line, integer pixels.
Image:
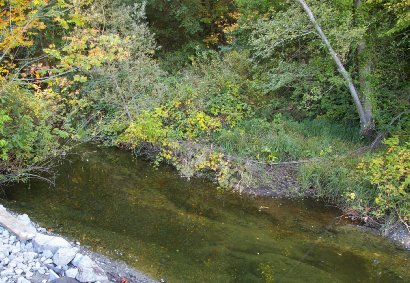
[{"x": 189, "y": 231}]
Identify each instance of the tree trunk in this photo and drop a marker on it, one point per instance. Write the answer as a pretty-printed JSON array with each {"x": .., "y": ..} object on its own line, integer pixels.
[
  {"x": 366, "y": 119},
  {"x": 364, "y": 68}
]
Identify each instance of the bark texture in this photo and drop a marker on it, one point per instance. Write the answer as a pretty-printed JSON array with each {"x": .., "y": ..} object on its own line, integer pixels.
[{"x": 366, "y": 119}]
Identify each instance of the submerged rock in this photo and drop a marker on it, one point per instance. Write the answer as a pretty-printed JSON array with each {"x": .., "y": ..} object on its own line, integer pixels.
[{"x": 401, "y": 236}]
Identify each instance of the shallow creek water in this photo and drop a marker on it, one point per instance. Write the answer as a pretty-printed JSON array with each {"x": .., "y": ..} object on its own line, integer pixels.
[{"x": 188, "y": 231}]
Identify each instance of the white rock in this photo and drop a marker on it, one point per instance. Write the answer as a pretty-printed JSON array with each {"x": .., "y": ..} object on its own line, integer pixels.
[
  {"x": 41, "y": 271},
  {"x": 25, "y": 219},
  {"x": 17, "y": 226},
  {"x": 64, "y": 255},
  {"x": 45, "y": 242},
  {"x": 29, "y": 274},
  {"x": 29, "y": 256},
  {"x": 21, "y": 265},
  {"x": 18, "y": 271},
  {"x": 48, "y": 261},
  {"x": 29, "y": 247},
  {"x": 47, "y": 254},
  {"x": 52, "y": 276},
  {"x": 77, "y": 259},
  {"x": 15, "y": 250},
  {"x": 22, "y": 280},
  {"x": 72, "y": 272},
  {"x": 89, "y": 271},
  {"x": 6, "y": 272},
  {"x": 41, "y": 230}
]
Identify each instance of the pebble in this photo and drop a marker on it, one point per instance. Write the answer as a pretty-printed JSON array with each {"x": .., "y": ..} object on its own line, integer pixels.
[
  {"x": 29, "y": 274},
  {"x": 72, "y": 272},
  {"x": 22, "y": 280},
  {"x": 43, "y": 259},
  {"x": 41, "y": 271},
  {"x": 6, "y": 272},
  {"x": 48, "y": 261},
  {"x": 47, "y": 254},
  {"x": 53, "y": 276}
]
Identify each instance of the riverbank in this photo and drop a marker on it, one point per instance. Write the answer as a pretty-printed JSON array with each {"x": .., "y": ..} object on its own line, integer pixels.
[
  {"x": 286, "y": 185},
  {"x": 30, "y": 253}
]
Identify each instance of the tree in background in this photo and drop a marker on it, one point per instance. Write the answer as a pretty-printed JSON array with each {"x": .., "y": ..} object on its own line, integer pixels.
[
  {"x": 45, "y": 46},
  {"x": 284, "y": 41}
]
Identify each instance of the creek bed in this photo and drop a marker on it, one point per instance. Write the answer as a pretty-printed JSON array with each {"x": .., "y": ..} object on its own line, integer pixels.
[{"x": 188, "y": 231}]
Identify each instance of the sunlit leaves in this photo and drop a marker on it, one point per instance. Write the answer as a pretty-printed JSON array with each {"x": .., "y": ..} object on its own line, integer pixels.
[{"x": 390, "y": 174}]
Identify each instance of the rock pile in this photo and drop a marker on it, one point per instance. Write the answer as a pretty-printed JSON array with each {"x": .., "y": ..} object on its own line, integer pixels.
[{"x": 43, "y": 258}]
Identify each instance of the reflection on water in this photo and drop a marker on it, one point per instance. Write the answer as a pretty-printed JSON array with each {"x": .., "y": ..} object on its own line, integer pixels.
[{"x": 189, "y": 232}]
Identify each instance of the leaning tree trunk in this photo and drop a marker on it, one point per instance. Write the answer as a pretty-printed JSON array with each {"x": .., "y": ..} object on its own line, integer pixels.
[{"x": 366, "y": 119}]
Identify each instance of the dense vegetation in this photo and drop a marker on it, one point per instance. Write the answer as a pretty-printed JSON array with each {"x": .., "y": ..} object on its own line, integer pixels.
[{"x": 232, "y": 90}]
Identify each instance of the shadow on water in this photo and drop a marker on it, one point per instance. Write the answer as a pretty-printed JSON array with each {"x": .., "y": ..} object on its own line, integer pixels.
[{"x": 190, "y": 232}]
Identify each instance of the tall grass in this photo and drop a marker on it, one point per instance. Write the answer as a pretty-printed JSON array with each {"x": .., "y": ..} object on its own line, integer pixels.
[{"x": 288, "y": 139}]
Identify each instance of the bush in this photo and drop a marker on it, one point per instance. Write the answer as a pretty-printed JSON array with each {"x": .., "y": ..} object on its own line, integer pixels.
[
  {"x": 339, "y": 182},
  {"x": 368, "y": 187},
  {"x": 389, "y": 173},
  {"x": 28, "y": 135}
]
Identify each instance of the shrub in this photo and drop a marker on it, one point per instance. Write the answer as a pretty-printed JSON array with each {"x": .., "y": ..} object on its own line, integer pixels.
[{"x": 389, "y": 173}]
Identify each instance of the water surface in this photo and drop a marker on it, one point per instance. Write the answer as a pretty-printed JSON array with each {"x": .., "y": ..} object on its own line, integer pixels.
[{"x": 188, "y": 231}]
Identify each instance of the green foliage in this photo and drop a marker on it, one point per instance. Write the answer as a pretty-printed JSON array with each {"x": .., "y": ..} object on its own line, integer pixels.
[
  {"x": 367, "y": 187},
  {"x": 39, "y": 85},
  {"x": 267, "y": 272},
  {"x": 26, "y": 136},
  {"x": 147, "y": 128},
  {"x": 298, "y": 64},
  {"x": 389, "y": 173},
  {"x": 284, "y": 139},
  {"x": 339, "y": 182},
  {"x": 3, "y": 142}
]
